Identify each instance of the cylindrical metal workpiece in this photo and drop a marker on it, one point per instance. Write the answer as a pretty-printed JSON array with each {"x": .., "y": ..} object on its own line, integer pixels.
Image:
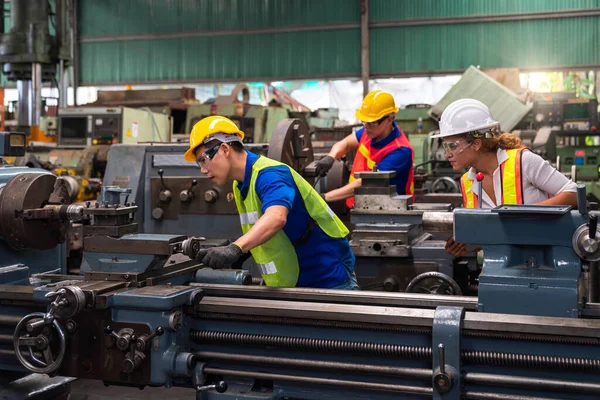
[
  {"x": 74, "y": 212},
  {"x": 224, "y": 277},
  {"x": 438, "y": 221}
]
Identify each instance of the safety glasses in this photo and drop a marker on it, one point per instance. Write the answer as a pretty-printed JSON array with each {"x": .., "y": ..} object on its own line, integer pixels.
[
  {"x": 208, "y": 155},
  {"x": 376, "y": 123},
  {"x": 453, "y": 147}
]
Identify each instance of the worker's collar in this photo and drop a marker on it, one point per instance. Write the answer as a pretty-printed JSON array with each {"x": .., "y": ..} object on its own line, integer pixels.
[{"x": 501, "y": 156}]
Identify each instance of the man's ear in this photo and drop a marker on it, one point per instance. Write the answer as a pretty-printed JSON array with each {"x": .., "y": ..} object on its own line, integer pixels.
[{"x": 225, "y": 149}]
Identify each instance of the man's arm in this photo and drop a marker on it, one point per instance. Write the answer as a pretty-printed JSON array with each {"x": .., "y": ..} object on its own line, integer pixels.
[
  {"x": 271, "y": 222},
  {"x": 343, "y": 147},
  {"x": 344, "y": 192}
]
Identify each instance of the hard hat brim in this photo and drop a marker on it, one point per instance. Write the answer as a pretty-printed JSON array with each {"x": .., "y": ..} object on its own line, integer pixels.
[
  {"x": 365, "y": 118},
  {"x": 190, "y": 155},
  {"x": 461, "y": 132}
]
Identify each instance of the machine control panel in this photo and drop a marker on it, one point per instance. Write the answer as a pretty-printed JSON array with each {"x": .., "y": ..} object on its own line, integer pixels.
[{"x": 13, "y": 144}]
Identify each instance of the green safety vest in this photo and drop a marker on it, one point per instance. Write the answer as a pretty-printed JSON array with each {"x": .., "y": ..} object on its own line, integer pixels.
[{"x": 277, "y": 257}]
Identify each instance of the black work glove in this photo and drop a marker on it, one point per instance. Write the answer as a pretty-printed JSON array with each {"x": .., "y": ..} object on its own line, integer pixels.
[
  {"x": 220, "y": 257},
  {"x": 324, "y": 165}
]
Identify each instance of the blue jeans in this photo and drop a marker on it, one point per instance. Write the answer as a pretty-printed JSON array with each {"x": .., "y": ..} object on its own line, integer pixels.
[{"x": 350, "y": 283}]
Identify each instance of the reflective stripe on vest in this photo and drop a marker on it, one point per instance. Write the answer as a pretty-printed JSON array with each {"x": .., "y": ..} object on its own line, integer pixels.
[
  {"x": 277, "y": 257},
  {"x": 367, "y": 157},
  {"x": 512, "y": 184}
]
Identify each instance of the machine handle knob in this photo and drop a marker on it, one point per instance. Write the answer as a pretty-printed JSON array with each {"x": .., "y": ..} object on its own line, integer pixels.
[
  {"x": 109, "y": 331},
  {"x": 157, "y": 332},
  {"x": 593, "y": 224},
  {"x": 479, "y": 178},
  {"x": 33, "y": 326},
  {"x": 219, "y": 387},
  {"x": 194, "y": 183}
]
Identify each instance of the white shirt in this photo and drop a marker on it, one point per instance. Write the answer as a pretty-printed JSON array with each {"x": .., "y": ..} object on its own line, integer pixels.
[{"x": 539, "y": 178}]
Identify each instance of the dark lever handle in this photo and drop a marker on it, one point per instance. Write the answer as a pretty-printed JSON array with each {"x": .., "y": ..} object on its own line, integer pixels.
[
  {"x": 194, "y": 183},
  {"x": 219, "y": 387},
  {"x": 109, "y": 331},
  {"x": 161, "y": 173},
  {"x": 593, "y": 225},
  {"x": 132, "y": 347}
]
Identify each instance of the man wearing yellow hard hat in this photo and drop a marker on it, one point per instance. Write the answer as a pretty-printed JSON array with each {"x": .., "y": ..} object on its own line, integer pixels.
[
  {"x": 380, "y": 142},
  {"x": 294, "y": 237}
]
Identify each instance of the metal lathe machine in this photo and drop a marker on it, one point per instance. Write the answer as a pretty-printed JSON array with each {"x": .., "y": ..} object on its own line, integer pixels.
[{"x": 143, "y": 313}]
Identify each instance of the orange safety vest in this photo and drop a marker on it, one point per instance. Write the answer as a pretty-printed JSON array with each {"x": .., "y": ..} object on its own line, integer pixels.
[
  {"x": 512, "y": 184},
  {"x": 367, "y": 157}
]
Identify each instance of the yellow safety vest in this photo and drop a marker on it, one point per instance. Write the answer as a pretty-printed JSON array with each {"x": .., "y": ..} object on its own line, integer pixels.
[
  {"x": 512, "y": 184},
  {"x": 277, "y": 257}
]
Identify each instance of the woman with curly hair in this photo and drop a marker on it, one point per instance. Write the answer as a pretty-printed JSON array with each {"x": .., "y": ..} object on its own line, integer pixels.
[{"x": 511, "y": 173}]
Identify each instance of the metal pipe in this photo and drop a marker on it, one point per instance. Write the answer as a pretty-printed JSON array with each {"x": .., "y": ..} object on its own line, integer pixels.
[
  {"x": 75, "y": 44},
  {"x": 500, "y": 396},
  {"x": 9, "y": 320},
  {"x": 438, "y": 221},
  {"x": 310, "y": 380},
  {"x": 64, "y": 85},
  {"x": 592, "y": 283},
  {"x": 488, "y": 18},
  {"x": 7, "y": 353},
  {"x": 4, "y": 338},
  {"x": 417, "y": 373},
  {"x": 531, "y": 383},
  {"x": 349, "y": 25},
  {"x": 23, "y": 103},
  {"x": 35, "y": 99},
  {"x": 364, "y": 45}
]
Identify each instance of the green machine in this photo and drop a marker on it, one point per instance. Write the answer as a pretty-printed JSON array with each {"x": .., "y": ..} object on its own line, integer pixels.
[
  {"x": 257, "y": 122},
  {"x": 578, "y": 140}
]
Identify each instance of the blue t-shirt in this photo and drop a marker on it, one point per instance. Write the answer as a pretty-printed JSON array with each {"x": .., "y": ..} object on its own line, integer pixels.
[
  {"x": 323, "y": 260},
  {"x": 399, "y": 160}
]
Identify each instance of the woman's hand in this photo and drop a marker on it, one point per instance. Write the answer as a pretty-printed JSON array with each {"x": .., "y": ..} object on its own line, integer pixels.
[{"x": 454, "y": 248}]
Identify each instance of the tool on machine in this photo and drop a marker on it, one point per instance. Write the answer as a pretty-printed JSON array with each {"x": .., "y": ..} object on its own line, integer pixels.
[{"x": 479, "y": 178}]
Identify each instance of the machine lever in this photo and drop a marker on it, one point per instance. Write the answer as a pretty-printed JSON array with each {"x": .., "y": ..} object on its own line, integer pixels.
[
  {"x": 479, "y": 178},
  {"x": 162, "y": 181},
  {"x": 188, "y": 194},
  {"x": 219, "y": 387},
  {"x": 442, "y": 379},
  {"x": 593, "y": 224},
  {"x": 442, "y": 355},
  {"x": 133, "y": 340},
  {"x": 144, "y": 341},
  {"x": 109, "y": 331},
  {"x": 57, "y": 302}
]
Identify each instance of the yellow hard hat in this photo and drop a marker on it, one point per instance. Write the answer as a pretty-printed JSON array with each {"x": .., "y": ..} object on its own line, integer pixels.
[
  {"x": 376, "y": 105},
  {"x": 207, "y": 127}
]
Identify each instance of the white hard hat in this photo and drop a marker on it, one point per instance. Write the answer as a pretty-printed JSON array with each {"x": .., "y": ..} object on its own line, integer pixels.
[{"x": 466, "y": 115}]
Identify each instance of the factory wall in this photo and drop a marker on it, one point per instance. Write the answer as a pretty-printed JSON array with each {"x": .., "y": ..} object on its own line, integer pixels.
[{"x": 145, "y": 41}]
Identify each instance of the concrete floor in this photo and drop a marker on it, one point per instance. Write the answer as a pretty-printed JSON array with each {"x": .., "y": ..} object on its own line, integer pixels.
[{"x": 84, "y": 389}]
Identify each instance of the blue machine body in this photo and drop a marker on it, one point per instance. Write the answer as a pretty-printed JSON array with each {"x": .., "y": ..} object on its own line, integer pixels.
[
  {"x": 157, "y": 327},
  {"x": 530, "y": 266}
]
